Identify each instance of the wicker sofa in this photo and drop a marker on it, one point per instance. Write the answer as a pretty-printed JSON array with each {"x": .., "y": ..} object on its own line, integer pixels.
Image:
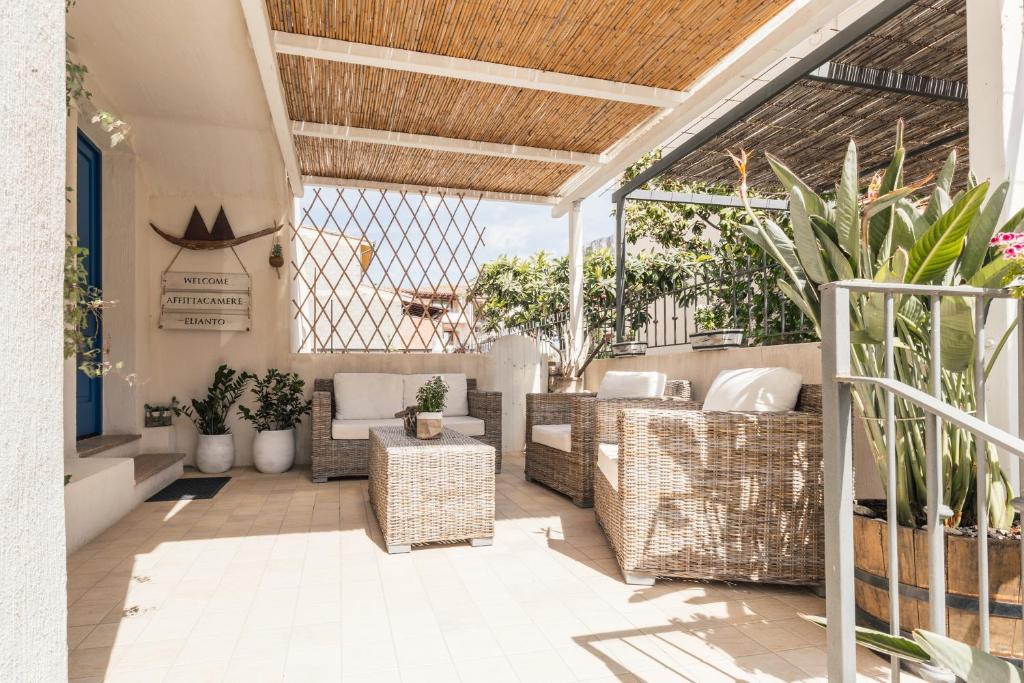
[
  {"x": 714, "y": 495},
  {"x": 348, "y": 457},
  {"x": 564, "y": 461}
]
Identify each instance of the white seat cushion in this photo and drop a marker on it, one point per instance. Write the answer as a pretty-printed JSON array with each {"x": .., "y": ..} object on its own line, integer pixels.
[
  {"x": 618, "y": 384},
  {"x": 608, "y": 462},
  {"x": 367, "y": 395},
  {"x": 464, "y": 424},
  {"x": 554, "y": 436},
  {"x": 457, "y": 400},
  {"x": 360, "y": 429},
  {"x": 752, "y": 390}
]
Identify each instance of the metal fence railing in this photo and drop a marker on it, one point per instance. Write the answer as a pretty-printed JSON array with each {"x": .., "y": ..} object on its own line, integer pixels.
[
  {"x": 737, "y": 294},
  {"x": 838, "y": 380}
]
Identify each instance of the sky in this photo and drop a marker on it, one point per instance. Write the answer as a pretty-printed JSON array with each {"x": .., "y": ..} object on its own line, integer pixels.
[
  {"x": 523, "y": 229},
  {"x": 416, "y": 238}
]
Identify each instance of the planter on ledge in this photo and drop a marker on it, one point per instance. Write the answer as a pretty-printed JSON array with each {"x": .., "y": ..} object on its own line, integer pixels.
[
  {"x": 624, "y": 349},
  {"x": 872, "y": 585},
  {"x": 717, "y": 339}
]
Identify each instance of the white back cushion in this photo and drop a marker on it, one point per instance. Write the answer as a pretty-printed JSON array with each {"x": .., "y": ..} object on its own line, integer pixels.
[
  {"x": 367, "y": 395},
  {"x": 457, "y": 400},
  {"x": 752, "y": 390},
  {"x": 618, "y": 384}
]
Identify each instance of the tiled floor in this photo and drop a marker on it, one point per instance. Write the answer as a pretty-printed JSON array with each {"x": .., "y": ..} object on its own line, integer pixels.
[{"x": 280, "y": 579}]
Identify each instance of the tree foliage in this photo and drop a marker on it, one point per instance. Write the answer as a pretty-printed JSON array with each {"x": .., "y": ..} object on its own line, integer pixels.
[{"x": 696, "y": 254}]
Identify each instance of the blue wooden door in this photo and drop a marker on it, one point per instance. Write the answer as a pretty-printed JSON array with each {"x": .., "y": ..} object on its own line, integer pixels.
[{"x": 89, "y": 390}]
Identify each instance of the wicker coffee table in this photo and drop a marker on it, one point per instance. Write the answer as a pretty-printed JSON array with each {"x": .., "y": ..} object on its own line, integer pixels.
[{"x": 431, "y": 491}]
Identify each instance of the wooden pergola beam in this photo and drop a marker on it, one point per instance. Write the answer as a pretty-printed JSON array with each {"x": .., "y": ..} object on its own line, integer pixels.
[
  {"x": 442, "y": 144},
  {"x": 258, "y": 24},
  {"x": 471, "y": 70},
  {"x": 358, "y": 183}
]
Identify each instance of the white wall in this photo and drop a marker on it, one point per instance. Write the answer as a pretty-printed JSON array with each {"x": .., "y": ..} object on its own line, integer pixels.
[{"x": 32, "y": 560}]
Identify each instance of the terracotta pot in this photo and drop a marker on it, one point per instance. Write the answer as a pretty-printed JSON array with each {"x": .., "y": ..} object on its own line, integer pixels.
[
  {"x": 429, "y": 425},
  {"x": 215, "y": 453},
  {"x": 872, "y": 585},
  {"x": 273, "y": 451}
]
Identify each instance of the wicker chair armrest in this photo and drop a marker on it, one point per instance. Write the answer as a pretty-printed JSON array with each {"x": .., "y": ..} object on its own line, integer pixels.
[
  {"x": 551, "y": 409},
  {"x": 322, "y": 410},
  {"x": 485, "y": 405},
  {"x": 679, "y": 388},
  {"x": 606, "y": 412}
]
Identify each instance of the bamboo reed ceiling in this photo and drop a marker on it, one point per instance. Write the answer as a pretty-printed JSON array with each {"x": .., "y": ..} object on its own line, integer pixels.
[
  {"x": 645, "y": 42},
  {"x": 384, "y": 164},
  {"x": 385, "y": 99},
  {"x": 810, "y": 123}
]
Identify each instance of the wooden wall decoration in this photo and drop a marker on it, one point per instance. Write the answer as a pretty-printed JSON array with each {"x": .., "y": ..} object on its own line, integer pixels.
[
  {"x": 200, "y": 238},
  {"x": 218, "y": 302}
]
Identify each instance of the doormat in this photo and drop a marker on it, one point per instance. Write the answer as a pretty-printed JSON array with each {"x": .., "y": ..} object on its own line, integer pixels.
[{"x": 190, "y": 488}]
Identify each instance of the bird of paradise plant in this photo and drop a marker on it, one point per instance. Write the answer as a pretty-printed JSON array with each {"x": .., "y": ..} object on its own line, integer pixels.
[{"x": 891, "y": 234}]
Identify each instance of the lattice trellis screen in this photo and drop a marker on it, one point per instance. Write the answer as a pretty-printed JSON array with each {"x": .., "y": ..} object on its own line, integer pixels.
[{"x": 384, "y": 271}]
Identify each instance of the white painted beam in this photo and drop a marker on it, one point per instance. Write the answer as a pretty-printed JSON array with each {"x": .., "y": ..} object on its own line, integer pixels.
[
  {"x": 471, "y": 70},
  {"x": 576, "y": 322},
  {"x": 428, "y": 189},
  {"x": 707, "y": 199},
  {"x": 442, "y": 144},
  {"x": 794, "y": 31},
  {"x": 258, "y": 23}
]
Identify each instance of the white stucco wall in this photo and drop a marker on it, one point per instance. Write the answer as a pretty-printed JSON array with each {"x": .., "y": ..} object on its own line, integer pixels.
[{"x": 32, "y": 125}]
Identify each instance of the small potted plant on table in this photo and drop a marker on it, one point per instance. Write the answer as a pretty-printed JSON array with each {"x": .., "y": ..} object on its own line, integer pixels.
[
  {"x": 216, "y": 450},
  {"x": 280, "y": 407},
  {"x": 430, "y": 401}
]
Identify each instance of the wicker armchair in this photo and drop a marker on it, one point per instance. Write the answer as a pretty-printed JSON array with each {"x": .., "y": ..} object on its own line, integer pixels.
[
  {"x": 572, "y": 472},
  {"x": 349, "y": 457},
  {"x": 717, "y": 496}
]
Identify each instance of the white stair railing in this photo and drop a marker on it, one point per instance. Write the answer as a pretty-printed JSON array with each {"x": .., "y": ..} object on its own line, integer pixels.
[{"x": 837, "y": 383}]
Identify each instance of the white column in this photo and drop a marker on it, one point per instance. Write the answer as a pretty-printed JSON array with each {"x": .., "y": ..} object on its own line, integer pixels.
[
  {"x": 576, "y": 327},
  {"x": 993, "y": 51},
  {"x": 33, "y": 576}
]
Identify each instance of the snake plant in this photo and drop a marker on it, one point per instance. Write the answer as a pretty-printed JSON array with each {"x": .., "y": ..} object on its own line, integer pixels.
[{"x": 891, "y": 232}]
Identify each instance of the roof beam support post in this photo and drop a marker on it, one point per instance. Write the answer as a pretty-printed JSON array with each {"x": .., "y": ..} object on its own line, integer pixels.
[
  {"x": 471, "y": 70},
  {"x": 620, "y": 270},
  {"x": 993, "y": 52},
  {"x": 577, "y": 330},
  {"x": 258, "y": 23},
  {"x": 442, "y": 144}
]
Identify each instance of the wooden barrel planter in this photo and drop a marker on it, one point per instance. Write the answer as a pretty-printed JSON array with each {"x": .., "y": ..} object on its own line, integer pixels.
[{"x": 871, "y": 560}]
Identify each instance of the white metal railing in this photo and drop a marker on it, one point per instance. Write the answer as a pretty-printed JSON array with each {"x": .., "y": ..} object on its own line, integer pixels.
[{"x": 837, "y": 383}]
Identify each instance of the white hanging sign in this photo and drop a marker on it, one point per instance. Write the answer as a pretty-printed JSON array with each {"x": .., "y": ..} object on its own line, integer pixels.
[{"x": 220, "y": 302}]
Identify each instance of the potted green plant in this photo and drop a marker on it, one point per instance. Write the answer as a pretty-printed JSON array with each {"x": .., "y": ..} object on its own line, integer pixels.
[
  {"x": 159, "y": 415},
  {"x": 430, "y": 402},
  {"x": 890, "y": 233},
  {"x": 280, "y": 407},
  {"x": 713, "y": 331},
  {"x": 216, "y": 449}
]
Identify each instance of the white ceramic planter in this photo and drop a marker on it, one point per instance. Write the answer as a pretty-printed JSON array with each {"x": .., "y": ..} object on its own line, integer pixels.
[
  {"x": 215, "y": 453},
  {"x": 273, "y": 451}
]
